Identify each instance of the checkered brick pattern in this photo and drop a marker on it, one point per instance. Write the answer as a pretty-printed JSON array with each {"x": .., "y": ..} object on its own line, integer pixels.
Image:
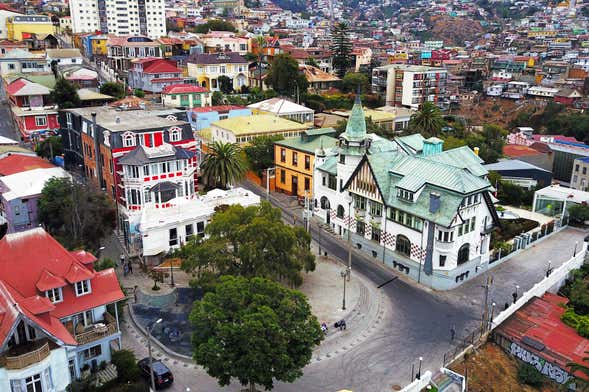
[{"x": 389, "y": 239}]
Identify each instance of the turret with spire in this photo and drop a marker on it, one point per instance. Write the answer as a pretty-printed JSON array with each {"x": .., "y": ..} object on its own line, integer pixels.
[{"x": 355, "y": 134}]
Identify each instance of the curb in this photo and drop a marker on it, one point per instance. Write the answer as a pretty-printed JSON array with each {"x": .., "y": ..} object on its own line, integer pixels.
[{"x": 162, "y": 347}]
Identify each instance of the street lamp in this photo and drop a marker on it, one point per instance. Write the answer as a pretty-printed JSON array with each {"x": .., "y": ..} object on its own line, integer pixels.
[
  {"x": 492, "y": 314},
  {"x": 515, "y": 293},
  {"x": 549, "y": 269},
  {"x": 575, "y": 251},
  {"x": 349, "y": 240},
  {"x": 419, "y": 371},
  {"x": 149, "y": 352},
  {"x": 344, "y": 274},
  {"x": 268, "y": 171}
]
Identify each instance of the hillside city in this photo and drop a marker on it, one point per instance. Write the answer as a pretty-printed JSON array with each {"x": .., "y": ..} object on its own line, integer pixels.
[{"x": 294, "y": 195}]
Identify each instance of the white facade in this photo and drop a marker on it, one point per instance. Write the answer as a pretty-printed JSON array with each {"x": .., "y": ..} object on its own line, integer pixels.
[
  {"x": 52, "y": 373},
  {"x": 119, "y": 17},
  {"x": 3, "y": 15},
  {"x": 165, "y": 229}
]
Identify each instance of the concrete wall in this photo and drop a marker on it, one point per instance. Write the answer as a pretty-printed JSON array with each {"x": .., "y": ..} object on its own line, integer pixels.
[{"x": 418, "y": 385}]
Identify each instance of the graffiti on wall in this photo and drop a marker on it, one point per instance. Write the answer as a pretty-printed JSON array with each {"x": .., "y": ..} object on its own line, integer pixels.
[{"x": 554, "y": 372}]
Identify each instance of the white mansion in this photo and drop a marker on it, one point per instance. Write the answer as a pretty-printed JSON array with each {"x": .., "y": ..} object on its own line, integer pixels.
[{"x": 426, "y": 212}]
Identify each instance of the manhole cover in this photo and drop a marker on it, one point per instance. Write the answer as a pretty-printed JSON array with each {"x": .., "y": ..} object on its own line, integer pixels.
[{"x": 396, "y": 387}]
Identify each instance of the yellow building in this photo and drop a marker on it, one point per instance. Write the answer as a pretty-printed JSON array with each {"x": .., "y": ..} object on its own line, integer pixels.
[
  {"x": 21, "y": 27},
  {"x": 295, "y": 158},
  {"x": 243, "y": 129},
  {"x": 98, "y": 44},
  {"x": 206, "y": 68}
]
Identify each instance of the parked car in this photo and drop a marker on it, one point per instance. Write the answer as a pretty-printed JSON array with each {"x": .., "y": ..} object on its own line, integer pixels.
[{"x": 162, "y": 375}]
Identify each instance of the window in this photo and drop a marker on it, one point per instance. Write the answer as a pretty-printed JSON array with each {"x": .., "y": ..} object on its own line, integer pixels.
[
  {"x": 403, "y": 245},
  {"x": 128, "y": 139},
  {"x": 295, "y": 159},
  {"x": 405, "y": 219},
  {"x": 375, "y": 234},
  {"x": 282, "y": 155},
  {"x": 92, "y": 352},
  {"x": 323, "y": 180},
  {"x": 340, "y": 211},
  {"x": 332, "y": 182},
  {"x": 324, "y": 203},
  {"x": 585, "y": 170},
  {"x": 173, "y": 237},
  {"x": 472, "y": 223},
  {"x": 83, "y": 288},
  {"x": 200, "y": 228},
  {"x": 342, "y": 158},
  {"x": 189, "y": 230},
  {"x": 442, "y": 260},
  {"x": 463, "y": 254},
  {"x": 307, "y": 162},
  {"x": 307, "y": 184},
  {"x": 445, "y": 236},
  {"x": 405, "y": 194},
  {"x": 359, "y": 202},
  {"x": 576, "y": 168},
  {"x": 54, "y": 295},
  {"x": 40, "y": 121},
  {"x": 375, "y": 208},
  {"x": 360, "y": 227},
  {"x": 175, "y": 134},
  {"x": 283, "y": 176}
]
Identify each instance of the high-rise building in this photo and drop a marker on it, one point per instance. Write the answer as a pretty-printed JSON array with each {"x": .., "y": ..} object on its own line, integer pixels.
[
  {"x": 119, "y": 17},
  {"x": 409, "y": 85}
]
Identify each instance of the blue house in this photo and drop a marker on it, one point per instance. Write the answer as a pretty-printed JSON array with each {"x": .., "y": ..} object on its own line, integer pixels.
[{"x": 202, "y": 117}]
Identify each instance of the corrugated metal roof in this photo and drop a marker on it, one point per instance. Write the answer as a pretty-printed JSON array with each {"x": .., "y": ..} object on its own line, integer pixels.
[{"x": 462, "y": 157}]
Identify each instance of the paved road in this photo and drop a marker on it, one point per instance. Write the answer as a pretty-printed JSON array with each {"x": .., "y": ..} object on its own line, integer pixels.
[{"x": 7, "y": 128}]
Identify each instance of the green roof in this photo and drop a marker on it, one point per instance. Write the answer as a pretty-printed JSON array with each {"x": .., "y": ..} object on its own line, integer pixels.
[
  {"x": 47, "y": 80},
  {"x": 414, "y": 141},
  {"x": 320, "y": 131},
  {"x": 258, "y": 124},
  {"x": 310, "y": 145},
  {"x": 330, "y": 165},
  {"x": 356, "y": 127},
  {"x": 462, "y": 157},
  {"x": 8, "y": 148}
]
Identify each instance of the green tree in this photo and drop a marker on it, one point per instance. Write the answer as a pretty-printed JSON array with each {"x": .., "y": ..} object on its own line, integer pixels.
[
  {"x": 139, "y": 93},
  {"x": 214, "y": 25},
  {"x": 249, "y": 242},
  {"x": 260, "y": 153},
  {"x": 353, "y": 80},
  {"x": 341, "y": 48},
  {"x": 453, "y": 142},
  {"x": 427, "y": 120},
  {"x": 225, "y": 84},
  {"x": 217, "y": 98},
  {"x": 578, "y": 213},
  {"x": 113, "y": 89},
  {"x": 529, "y": 375},
  {"x": 253, "y": 330},
  {"x": 76, "y": 214},
  {"x": 126, "y": 364},
  {"x": 50, "y": 147},
  {"x": 285, "y": 77},
  {"x": 65, "y": 94},
  {"x": 223, "y": 165},
  {"x": 312, "y": 62}
]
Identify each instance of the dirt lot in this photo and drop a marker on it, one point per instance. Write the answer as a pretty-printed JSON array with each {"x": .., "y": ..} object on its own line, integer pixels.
[{"x": 492, "y": 370}]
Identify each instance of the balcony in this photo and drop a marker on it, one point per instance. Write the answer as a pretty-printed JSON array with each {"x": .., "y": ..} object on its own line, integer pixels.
[
  {"x": 98, "y": 331},
  {"x": 24, "y": 355}
]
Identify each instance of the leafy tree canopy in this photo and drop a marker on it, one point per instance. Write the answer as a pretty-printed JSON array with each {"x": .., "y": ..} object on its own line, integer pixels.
[
  {"x": 578, "y": 213},
  {"x": 65, "y": 94},
  {"x": 214, "y": 25},
  {"x": 254, "y": 330},
  {"x": 76, "y": 214},
  {"x": 427, "y": 120},
  {"x": 285, "y": 77},
  {"x": 116, "y": 90},
  {"x": 353, "y": 80},
  {"x": 225, "y": 84},
  {"x": 50, "y": 147},
  {"x": 260, "y": 153},
  {"x": 249, "y": 242}
]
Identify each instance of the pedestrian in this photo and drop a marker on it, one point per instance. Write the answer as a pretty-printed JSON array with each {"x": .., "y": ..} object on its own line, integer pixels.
[
  {"x": 506, "y": 306},
  {"x": 125, "y": 269},
  {"x": 514, "y": 295},
  {"x": 452, "y": 332},
  {"x": 344, "y": 324},
  {"x": 130, "y": 267},
  {"x": 122, "y": 258}
]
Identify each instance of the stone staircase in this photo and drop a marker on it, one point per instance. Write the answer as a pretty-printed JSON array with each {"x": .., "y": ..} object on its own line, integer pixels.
[
  {"x": 444, "y": 383},
  {"x": 109, "y": 373}
]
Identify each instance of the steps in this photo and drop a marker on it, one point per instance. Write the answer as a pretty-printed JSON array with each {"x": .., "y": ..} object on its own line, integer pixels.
[
  {"x": 108, "y": 374},
  {"x": 444, "y": 383}
]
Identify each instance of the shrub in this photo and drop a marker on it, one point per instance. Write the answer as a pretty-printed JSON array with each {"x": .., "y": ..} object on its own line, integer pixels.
[
  {"x": 527, "y": 374},
  {"x": 103, "y": 264},
  {"x": 126, "y": 363}
]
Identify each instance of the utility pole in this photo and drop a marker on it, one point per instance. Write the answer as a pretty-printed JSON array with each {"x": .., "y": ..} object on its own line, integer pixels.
[
  {"x": 488, "y": 283},
  {"x": 349, "y": 240}
]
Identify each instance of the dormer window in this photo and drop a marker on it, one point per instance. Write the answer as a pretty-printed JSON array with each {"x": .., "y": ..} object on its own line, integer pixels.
[
  {"x": 128, "y": 139},
  {"x": 54, "y": 295},
  {"x": 405, "y": 194},
  {"x": 175, "y": 134},
  {"x": 83, "y": 288}
]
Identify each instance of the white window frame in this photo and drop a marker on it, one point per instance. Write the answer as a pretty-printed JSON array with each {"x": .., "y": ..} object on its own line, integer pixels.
[
  {"x": 80, "y": 285},
  {"x": 41, "y": 123},
  {"x": 128, "y": 139},
  {"x": 175, "y": 134},
  {"x": 55, "y": 295}
]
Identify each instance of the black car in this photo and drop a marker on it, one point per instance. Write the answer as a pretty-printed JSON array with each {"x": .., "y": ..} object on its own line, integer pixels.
[{"x": 163, "y": 377}]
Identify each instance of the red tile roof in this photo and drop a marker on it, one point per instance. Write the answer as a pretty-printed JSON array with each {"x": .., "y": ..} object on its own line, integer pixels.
[
  {"x": 518, "y": 150},
  {"x": 540, "y": 320},
  {"x": 13, "y": 87},
  {"x": 218, "y": 108},
  {"x": 184, "y": 88},
  {"x": 83, "y": 257},
  {"x": 161, "y": 66},
  {"x": 16, "y": 163},
  {"x": 47, "y": 263}
]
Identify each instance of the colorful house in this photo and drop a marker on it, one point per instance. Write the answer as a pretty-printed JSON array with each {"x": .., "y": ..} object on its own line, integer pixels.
[
  {"x": 207, "y": 68},
  {"x": 59, "y": 319},
  {"x": 20, "y": 27},
  {"x": 185, "y": 95},
  {"x": 153, "y": 74},
  {"x": 294, "y": 159},
  {"x": 32, "y": 111},
  {"x": 203, "y": 117}
]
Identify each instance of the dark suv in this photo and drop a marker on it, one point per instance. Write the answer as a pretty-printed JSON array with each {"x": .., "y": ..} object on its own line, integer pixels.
[{"x": 163, "y": 377}]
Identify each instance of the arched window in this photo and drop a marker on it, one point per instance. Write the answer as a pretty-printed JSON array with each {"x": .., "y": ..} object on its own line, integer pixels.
[
  {"x": 403, "y": 245},
  {"x": 463, "y": 254},
  {"x": 175, "y": 134},
  {"x": 324, "y": 203},
  {"x": 128, "y": 139},
  {"x": 340, "y": 211}
]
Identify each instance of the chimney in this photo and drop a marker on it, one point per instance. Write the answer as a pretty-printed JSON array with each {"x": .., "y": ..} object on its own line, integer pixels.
[
  {"x": 476, "y": 151},
  {"x": 434, "y": 202}
]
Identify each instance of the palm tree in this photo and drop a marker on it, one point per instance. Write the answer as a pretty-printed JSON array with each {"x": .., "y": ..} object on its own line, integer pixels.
[
  {"x": 223, "y": 165},
  {"x": 427, "y": 120},
  {"x": 261, "y": 43}
]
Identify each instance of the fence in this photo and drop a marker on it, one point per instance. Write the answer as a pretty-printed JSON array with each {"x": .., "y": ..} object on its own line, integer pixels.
[
  {"x": 463, "y": 343},
  {"x": 522, "y": 241}
]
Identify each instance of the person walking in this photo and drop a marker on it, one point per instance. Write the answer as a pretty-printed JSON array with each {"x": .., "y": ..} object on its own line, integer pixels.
[
  {"x": 452, "y": 332},
  {"x": 130, "y": 267}
]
